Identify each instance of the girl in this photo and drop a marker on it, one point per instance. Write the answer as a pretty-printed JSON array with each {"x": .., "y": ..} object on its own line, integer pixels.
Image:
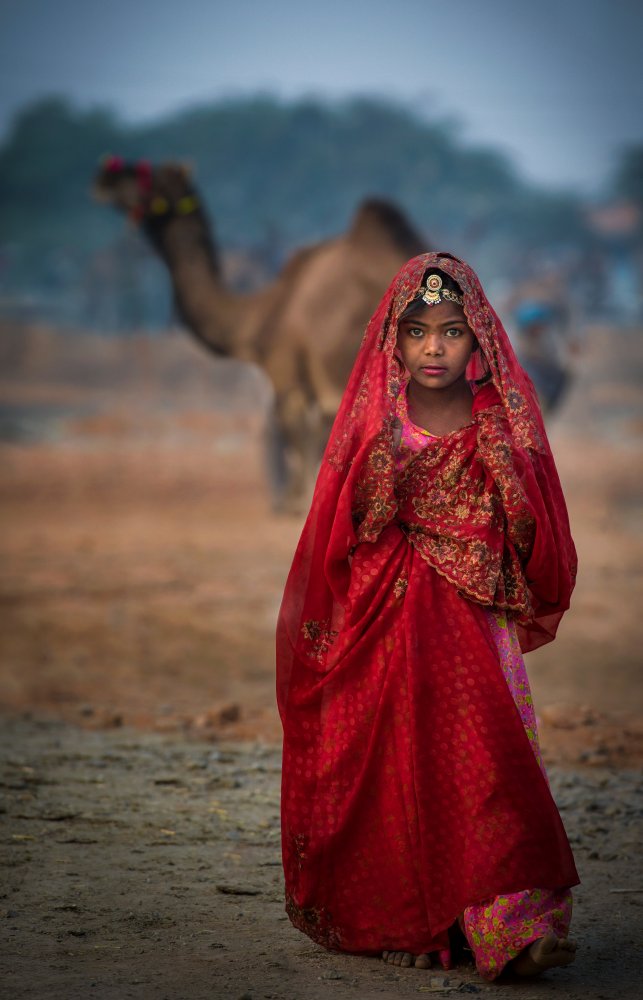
[{"x": 415, "y": 805}]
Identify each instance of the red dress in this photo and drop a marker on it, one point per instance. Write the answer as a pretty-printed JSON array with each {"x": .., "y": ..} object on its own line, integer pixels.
[{"x": 411, "y": 791}]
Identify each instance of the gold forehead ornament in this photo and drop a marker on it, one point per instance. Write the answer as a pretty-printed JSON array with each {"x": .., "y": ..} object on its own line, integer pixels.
[{"x": 435, "y": 292}]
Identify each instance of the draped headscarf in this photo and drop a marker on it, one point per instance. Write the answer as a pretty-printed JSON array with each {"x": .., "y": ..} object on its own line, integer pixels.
[{"x": 485, "y": 508}]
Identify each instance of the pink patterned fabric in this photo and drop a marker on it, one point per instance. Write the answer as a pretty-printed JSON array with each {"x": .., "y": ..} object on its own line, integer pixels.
[
  {"x": 500, "y": 928},
  {"x": 497, "y": 931},
  {"x": 412, "y": 437},
  {"x": 505, "y": 636}
]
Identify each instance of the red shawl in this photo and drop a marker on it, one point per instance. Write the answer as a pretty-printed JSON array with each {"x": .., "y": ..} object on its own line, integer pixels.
[{"x": 410, "y": 789}]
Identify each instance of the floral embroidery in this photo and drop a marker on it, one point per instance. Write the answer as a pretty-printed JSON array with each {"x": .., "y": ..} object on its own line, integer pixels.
[
  {"x": 336, "y": 457},
  {"x": 320, "y": 636},
  {"x": 498, "y": 930},
  {"x": 340, "y": 445},
  {"x": 299, "y": 845},
  {"x": 362, "y": 395},
  {"x": 374, "y": 503},
  {"x": 400, "y": 587},
  {"x": 338, "y": 450},
  {"x": 476, "y": 529},
  {"x": 316, "y": 922}
]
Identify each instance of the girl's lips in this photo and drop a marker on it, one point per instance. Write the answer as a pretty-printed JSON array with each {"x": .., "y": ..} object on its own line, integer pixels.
[{"x": 433, "y": 370}]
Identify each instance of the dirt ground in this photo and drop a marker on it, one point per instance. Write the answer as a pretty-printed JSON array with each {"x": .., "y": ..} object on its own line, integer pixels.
[
  {"x": 145, "y": 865},
  {"x": 141, "y": 576}
]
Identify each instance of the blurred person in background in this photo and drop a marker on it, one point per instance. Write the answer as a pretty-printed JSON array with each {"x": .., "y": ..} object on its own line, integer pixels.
[{"x": 545, "y": 335}]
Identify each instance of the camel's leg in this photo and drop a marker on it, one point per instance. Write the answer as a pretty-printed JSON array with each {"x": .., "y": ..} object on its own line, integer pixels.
[
  {"x": 320, "y": 425},
  {"x": 313, "y": 449},
  {"x": 324, "y": 428},
  {"x": 288, "y": 452},
  {"x": 277, "y": 459}
]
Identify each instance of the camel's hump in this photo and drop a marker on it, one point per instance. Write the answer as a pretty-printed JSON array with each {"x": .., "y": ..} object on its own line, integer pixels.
[{"x": 379, "y": 219}]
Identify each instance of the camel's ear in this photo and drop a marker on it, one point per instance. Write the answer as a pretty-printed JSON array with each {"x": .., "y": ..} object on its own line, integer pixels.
[{"x": 186, "y": 168}]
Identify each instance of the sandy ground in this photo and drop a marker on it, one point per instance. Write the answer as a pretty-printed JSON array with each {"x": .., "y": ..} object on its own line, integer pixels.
[
  {"x": 148, "y": 866},
  {"x": 141, "y": 576}
]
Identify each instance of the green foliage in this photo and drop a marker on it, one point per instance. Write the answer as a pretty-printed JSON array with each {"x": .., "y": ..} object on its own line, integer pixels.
[
  {"x": 294, "y": 171},
  {"x": 46, "y": 167}
]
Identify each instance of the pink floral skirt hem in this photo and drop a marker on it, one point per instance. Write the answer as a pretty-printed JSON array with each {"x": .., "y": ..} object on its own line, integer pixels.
[
  {"x": 500, "y": 928},
  {"x": 498, "y": 931}
]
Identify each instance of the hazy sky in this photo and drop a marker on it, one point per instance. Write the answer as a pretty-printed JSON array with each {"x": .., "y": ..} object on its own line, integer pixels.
[{"x": 558, "y": 83}]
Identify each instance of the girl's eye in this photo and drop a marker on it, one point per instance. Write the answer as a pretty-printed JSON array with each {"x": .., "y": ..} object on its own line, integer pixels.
[
  {"x": 453, "y": 331},
  {"x": 416, "y": 331}
]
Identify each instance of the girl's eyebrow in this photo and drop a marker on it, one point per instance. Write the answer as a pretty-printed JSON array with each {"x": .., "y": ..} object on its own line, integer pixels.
[{"x": 445, "y": 322}]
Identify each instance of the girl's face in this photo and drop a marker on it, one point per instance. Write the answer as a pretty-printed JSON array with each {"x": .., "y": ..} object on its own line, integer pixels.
[{"x": 435, "y": 344}]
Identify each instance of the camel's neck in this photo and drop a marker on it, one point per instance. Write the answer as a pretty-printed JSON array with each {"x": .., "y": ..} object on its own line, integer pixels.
[{"x": 212, "y": 312}]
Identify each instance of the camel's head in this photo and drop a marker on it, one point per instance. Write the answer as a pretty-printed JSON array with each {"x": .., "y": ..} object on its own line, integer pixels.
[{"x": 144, "y": 192}]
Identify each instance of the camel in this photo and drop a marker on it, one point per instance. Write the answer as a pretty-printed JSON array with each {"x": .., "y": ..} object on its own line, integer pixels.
[{"x": 302, "y": 330}]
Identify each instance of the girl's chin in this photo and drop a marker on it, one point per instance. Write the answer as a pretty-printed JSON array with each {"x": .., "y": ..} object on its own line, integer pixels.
[{"x": 431, "y": 381}]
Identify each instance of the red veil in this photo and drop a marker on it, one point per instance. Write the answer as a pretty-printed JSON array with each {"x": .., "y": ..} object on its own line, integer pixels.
[{"x": 410, "y": 789}]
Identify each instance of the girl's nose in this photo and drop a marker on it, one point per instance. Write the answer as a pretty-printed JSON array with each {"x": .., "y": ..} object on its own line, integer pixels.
[{"x": 432, "y": 345}]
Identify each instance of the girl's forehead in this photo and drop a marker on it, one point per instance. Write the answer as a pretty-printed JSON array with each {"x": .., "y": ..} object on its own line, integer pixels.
[{"x": 442, "y": 312}]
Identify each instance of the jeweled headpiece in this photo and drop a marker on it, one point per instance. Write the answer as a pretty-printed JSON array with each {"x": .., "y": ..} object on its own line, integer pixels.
[{"x": 435, "y": 291}]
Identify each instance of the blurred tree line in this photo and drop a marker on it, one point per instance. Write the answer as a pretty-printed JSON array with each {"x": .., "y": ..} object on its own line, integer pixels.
[{"x": 274, "y": 176}]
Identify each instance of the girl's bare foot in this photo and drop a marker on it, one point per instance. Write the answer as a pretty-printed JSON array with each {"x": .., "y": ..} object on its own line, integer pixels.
[
  {"x": 546, "y": 953},
  {"x": 405, "y": 959}
]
